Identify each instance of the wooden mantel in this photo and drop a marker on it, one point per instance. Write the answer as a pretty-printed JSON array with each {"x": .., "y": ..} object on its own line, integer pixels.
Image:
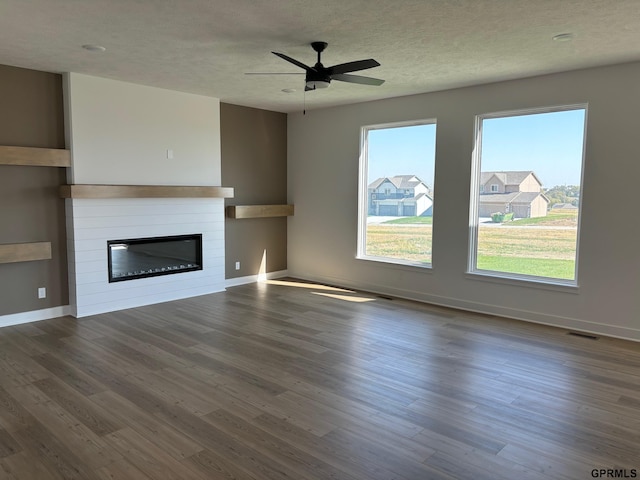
[
  {"x": 25, "y": 252},
  {"x": 35, "y": 157},
  {"x": 259, "y": 211},
  {"x": 144, "y": 191}
]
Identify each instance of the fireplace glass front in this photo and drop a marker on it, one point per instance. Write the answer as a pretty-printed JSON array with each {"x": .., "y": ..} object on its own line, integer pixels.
[{"x": 150, "y": 257}]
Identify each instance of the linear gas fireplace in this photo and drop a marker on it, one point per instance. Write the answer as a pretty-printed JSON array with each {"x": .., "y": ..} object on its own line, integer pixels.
[{"x": 150, "y": 257}]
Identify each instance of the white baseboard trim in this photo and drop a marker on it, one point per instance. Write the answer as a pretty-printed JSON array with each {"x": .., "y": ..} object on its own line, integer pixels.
[
  {"x": 34, "y": 316},
  {"x": 573, "y": 324},
  {"x": 261, "y": 277}
]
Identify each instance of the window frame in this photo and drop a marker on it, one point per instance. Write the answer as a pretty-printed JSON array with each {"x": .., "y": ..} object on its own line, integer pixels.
[
  {"x": 363, "y": 197},
  {"x": 472, "y": 255}
]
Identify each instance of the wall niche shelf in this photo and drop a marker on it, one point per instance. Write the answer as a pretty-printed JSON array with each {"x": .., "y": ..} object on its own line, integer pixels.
[
  {"x": 25, "y": 252},
  {"x": 144, "y": 191},
  {"x": 259, "y": 211},
  {"x": 35, "y": 157}
]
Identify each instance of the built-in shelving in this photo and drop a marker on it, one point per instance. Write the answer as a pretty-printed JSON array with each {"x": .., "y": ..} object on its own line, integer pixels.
[
  {"x": 25, "y": 252},
  {"x": 259, "y": 211},
  {"x": 31, "y": 157},
  {"x": 144, "y": 191},
  {"x": 35, "y": 157}
]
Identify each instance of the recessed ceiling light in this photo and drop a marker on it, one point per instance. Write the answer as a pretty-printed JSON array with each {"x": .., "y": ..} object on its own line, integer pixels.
[
  {"x": 288, "y": 90},
  {"x": 563, "y": 37},
  {"x": 94, "y": 48}
]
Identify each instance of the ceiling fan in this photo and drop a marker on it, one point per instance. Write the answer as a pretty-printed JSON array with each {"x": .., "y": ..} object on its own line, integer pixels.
[{"x": 320, "y": 76}]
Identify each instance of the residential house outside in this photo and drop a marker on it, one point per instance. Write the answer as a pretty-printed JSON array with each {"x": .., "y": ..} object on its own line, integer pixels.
[
  {"x": 519, "y": 192},
  {"x": 401, "y": 195}
]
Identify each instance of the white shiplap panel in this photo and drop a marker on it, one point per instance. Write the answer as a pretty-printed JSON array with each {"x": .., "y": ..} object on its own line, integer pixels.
[
  {"x": 142, "y": 231},
  {"x": 98, "y": 220},
  {"x": 148, "y": 286},
  {"x": 136, "y": 220},
  {"x": 92, "y": 208},
  {"x": 94, "y": 309}
]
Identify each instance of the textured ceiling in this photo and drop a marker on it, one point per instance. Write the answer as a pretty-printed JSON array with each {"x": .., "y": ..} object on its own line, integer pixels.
[{"x": 207, "y": 46}]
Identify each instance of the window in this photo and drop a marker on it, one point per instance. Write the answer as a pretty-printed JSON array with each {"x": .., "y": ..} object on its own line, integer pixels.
[
  {"x": 531, "y": 230},
  {"x": 397, "y": 228},
  {"x": 494, "y": 188}
]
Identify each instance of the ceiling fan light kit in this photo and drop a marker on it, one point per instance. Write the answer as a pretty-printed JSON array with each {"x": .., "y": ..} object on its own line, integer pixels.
[{"x": 315, "y": 84}]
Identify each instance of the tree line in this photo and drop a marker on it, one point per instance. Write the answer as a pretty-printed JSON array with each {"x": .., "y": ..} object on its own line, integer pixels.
[{"x": 563, "y": 194}]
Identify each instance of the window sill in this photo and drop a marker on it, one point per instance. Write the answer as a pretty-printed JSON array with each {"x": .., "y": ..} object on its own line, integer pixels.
[
  {"x": 529, "y": 282},
  {"x": 396, "y": 263}
]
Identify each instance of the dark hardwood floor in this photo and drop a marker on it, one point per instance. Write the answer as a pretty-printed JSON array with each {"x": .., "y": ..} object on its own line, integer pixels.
[{"x": 290, "y": 380}]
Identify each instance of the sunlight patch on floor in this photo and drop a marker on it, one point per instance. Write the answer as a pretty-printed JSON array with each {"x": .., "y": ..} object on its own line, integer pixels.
[
  {"x": 311, "y": 286},
  {"x": 348, "y": 298}
]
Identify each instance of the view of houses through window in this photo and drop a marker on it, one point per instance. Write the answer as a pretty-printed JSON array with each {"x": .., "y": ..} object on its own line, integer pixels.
[
  {"x": 525, "y": 212},
  {"x": 396, "y": 192},
  {"x": 525, "y": 202}
]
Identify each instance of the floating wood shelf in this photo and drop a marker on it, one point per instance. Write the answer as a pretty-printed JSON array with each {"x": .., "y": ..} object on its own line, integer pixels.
[
  {"x": 35, "y": 157},
  {"x": 144, "y": 191},
  {"x": 25, "y": 252},
  {"x": 259, "y": 211}
]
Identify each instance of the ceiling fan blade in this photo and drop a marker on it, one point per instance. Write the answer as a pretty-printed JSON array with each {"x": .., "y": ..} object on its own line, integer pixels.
[
  {"x": 357, "y": 79},
  {"x": 353, "y": 66},
  {"x": 294, "y": 61},
  {"x": 274, "y": 73}
]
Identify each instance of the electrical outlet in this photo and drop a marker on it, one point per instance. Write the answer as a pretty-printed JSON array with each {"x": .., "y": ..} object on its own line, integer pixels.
[
  {"x": 237, "y": 265},
  {"x": 42, "y": 292},
  {"x": 169, "y": 154}
]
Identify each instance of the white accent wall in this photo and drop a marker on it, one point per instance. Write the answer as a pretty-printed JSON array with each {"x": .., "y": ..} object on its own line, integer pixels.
[
  {"x": 323, "y": 149},
  {"x": 119, "y": 133}
]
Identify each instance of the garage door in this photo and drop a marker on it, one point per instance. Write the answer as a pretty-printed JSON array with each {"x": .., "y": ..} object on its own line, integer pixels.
[
  {"x": 409, "y": 210},
  {"x": 388, "y": 210}
]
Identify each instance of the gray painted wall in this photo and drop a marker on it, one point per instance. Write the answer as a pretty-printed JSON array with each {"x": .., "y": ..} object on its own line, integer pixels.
[
  {"x": 254, "y": 162},
  {"x": 30, "y": 210},
  {"x": 324, "y": 150}
]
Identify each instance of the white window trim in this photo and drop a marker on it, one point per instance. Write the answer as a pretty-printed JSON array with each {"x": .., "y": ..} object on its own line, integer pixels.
[
  {"x": 363, "y": 200},
  {"x": 514, "y": 278}
]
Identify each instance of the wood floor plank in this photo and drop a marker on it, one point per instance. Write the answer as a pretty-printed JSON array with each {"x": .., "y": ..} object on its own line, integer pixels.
[
  {"x": 77, "y": 437},
  {"x": 98, "y": 420},
  {"x": 306, "y": 465},
  {"x": 121, "y": 470},
  {"x": 8, "y": 445},
  {"x": 25, "y": 465},
  {"x": 148, "y": 458},
  {"x": 68, "y": 374},
  {"x": 217, "y": 467},
  {"x": 326, "y": 450},
  {"x": 42, "y": 445},
  {"x": 13, "y": 415},
  {"x": 171, "y": 441},
  {"x": 277, "y": 381}
]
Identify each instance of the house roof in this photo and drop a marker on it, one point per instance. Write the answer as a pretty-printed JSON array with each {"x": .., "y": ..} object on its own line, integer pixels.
[
  {"x": 508, "y": 177},
  {"x": 405, "y": 181},
  {"x": 399, "y": 181},
  {"x": 422, "y": 194}
]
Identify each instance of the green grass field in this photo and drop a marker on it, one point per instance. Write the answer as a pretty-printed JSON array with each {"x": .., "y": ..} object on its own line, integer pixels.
[
  {"x": 410, "y": 220},
  {"x": 517, "y": 247}
]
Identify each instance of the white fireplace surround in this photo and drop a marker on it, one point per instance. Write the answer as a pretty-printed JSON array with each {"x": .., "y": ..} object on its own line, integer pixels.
[
  {"x": 92, "y": 222},
  {"x": 125, "y": 134}
]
